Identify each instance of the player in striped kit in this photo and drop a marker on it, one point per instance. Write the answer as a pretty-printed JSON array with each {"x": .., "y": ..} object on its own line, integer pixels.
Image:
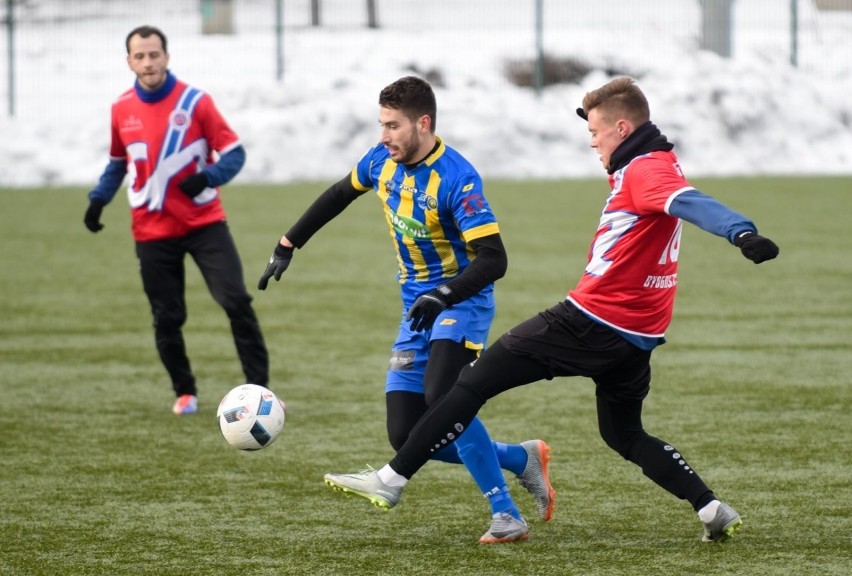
[
  {"x": 449, "y": 251},
  {"x": 164, "y": 133},
  {"x": 609, "y": 324}
]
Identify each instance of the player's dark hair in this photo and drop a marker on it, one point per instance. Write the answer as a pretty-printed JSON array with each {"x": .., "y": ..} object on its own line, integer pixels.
[
  {"x": 620, "y": 97},
  {"x": 412, "y": 96},
  {"x": 146, "y": 31}
]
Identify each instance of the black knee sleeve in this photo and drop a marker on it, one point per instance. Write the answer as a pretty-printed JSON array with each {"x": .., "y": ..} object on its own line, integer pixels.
[
  {"x": 446, "y": 359},
  {"x": 404, "y": 409}
]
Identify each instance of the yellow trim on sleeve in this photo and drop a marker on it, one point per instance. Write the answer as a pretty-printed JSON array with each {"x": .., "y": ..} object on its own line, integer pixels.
[
  {"x": 353, "y": 177},
  {"x": 480, "y": 232}
]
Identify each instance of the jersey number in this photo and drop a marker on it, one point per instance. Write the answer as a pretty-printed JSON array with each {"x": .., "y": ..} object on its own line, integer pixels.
[{"x": 672, "y": 249}]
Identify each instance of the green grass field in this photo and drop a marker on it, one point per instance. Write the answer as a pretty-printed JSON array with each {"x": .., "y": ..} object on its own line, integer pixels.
[{"x": 98, "y": 477}]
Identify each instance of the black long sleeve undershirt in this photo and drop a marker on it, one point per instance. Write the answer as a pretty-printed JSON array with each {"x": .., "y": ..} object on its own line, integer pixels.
[
  {"x": 324, "y": 209},
  {"x": 488, "y": 266}
]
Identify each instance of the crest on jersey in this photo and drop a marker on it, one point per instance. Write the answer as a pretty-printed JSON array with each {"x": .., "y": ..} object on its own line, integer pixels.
[
  {"x": 179, "y": 120},
  {"x": 426, "y": 201}
]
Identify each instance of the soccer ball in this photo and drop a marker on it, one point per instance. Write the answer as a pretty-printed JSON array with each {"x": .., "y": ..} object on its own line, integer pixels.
[{"x": 250, "y": 417}]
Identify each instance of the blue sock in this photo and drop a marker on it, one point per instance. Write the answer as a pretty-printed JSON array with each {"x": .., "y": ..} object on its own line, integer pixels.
[
  {"x": 449, "y": 454},
  {"x": 477, "y": 452},
  {"x": 512, "y": 457}
]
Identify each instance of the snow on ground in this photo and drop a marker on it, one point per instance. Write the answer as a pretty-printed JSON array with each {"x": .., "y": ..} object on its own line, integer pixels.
[{"x": 754, "y": 113}]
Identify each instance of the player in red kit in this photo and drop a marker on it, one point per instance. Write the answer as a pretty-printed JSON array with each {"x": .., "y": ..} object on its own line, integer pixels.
[
  {"x": 611, "y": 321},
  {"x": 165, "y": 133}
]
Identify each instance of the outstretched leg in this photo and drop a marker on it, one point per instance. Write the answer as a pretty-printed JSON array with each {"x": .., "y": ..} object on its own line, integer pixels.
[{"x": 620, "y": 425}]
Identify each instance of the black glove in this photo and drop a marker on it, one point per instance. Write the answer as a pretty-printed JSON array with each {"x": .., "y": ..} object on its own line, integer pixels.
[
  {"x": 278, "y": 263},
  {"x": 755, "y": 247},
  {"x": 194, "y": 184},
  {"x": 427, "y": 307},
  {"x": 92, "y": 219}
]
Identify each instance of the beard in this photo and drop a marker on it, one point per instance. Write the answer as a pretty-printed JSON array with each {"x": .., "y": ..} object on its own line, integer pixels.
[{"x": 408, "y": 149}]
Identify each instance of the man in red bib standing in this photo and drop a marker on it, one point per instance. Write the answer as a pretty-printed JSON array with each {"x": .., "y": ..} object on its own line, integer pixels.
[{"x": 164, "y": 133}]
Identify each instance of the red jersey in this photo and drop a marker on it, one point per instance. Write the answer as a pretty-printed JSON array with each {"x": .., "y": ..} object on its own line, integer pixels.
[
  {"x": 164, "y": 142},
  {"x": 631, "y": 276}
]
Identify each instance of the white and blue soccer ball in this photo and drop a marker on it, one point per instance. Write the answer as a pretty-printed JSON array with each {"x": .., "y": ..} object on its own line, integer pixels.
[{"x": 250, "y": 417}]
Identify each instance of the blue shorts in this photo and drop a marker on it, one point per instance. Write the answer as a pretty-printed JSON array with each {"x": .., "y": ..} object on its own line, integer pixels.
[{"x": 467, "y": 322}]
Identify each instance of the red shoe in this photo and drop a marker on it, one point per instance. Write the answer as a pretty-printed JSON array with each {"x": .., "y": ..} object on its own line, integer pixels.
[{"x": 185, "y": 404}]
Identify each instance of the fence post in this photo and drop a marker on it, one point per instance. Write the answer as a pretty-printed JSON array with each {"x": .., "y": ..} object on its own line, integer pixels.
[
  {"x": 794, "y": 32},
  {"x": 372, "y": 16},
  {"x": 716, "y": 26},
  {"x": 539, "y": 47},
  {"x": 315, "y": 13},
  {"x": 279, "y": 39},
  {"x": 217, "y": 17},
  {"x": 10, "y": 52}
]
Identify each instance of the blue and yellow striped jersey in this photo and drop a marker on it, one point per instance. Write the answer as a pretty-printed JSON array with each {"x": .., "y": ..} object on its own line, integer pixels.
[{"x": 433, "y": 212}]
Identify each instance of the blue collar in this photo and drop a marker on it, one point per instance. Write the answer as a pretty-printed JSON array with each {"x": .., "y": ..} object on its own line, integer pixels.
[{"x": 151, "y": 96}]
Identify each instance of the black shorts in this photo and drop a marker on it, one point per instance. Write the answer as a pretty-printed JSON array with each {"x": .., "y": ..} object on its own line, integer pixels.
[{"x": 569, "y": 343}]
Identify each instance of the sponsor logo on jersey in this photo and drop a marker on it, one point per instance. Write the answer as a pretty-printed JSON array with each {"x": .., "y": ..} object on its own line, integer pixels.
[
  {"x": 406, "y": 188},
  {"x": 408, "y": 226},
  {"x": 668, "y": 281},
  {"x": 391, "y": 186},
  {"x": 474, "y": 204},
  {"x": 401, "y": 360},
  {"x": 131, "y": 123}
]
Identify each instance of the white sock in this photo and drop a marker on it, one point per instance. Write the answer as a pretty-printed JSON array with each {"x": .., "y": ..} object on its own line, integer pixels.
[
  {"x": 707, "y": 513},
  {"x": 390, "y": 478}
]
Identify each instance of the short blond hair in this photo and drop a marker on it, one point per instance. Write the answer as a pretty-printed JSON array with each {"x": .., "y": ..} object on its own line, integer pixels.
[{"x": 619, "y": 98}]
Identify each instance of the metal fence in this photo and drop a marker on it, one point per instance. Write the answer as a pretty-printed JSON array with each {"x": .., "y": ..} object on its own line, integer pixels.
[{"x": 81, "y": 41}]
